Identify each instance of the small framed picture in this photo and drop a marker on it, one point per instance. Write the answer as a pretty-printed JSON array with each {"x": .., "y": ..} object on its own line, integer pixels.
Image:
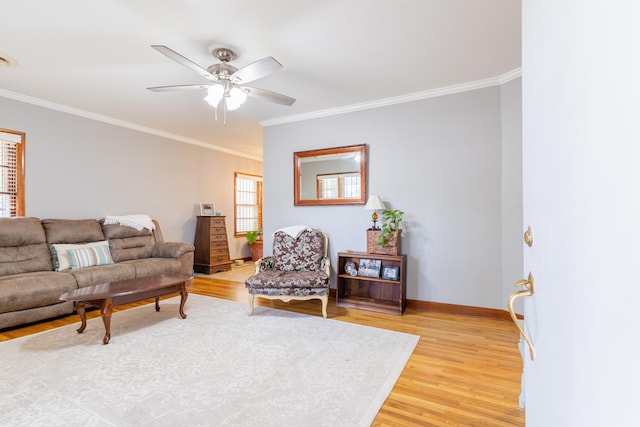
[
  {"x": 207, "y": 208},
  {"x": 350, "y": 268},
  {"x": 369, "y": 267},
  {"x": 390, "y": 272}
]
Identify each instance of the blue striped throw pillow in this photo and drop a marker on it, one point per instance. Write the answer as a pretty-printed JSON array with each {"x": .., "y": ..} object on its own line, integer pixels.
[{"x": 89, "y": 256}]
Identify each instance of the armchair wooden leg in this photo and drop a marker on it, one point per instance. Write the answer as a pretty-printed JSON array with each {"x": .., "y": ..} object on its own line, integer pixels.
[
  {"x": 250, "y": 304},
  {"x": 325, "y": 301}
]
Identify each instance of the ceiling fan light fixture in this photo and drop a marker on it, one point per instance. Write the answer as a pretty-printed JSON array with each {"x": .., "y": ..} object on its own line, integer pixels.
[
  {"x": 231, "y": 106},
  {"x": 225, "y": 80},
  {"x": 235, "y": 98},
  {"x": 215, "y": 93}
]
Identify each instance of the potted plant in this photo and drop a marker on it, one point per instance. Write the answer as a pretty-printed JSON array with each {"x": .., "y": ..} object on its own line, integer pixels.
[
  {"x": 387, "y": 239},
  {"x": 254, "y": 239}
]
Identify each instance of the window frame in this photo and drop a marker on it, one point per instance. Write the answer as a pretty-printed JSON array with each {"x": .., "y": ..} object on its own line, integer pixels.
[
  {"x": 340, "y": 188},
  {"x": 19, "y": 171},
  {"x": 251, "y": 177}
]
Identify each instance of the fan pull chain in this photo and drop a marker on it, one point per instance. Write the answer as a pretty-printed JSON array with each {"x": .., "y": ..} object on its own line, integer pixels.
[{"x": 224, "y": 112}]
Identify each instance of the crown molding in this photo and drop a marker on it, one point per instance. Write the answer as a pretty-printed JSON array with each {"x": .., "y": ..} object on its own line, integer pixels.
[
  {"x": 416, "y": 96},
  {"x": 117, "y": 122},
  {"x": 511, "y": 75}
]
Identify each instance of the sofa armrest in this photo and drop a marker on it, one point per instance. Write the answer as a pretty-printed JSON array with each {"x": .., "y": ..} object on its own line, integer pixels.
[
  {"x": 171, "y": 249},
  {"x": 325, "y": 265},
  {"x": 265, "y": 263}
]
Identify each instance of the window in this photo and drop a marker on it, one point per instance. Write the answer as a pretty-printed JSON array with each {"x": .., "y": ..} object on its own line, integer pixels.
[
  {"x": 339, "y": 186},
  {"x": 11, "y": 173},
  {"x": 248, "y": 203}
]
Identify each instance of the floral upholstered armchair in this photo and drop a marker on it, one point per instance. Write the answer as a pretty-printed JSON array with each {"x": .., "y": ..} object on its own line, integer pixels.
[{"x": 297, "y": 270}]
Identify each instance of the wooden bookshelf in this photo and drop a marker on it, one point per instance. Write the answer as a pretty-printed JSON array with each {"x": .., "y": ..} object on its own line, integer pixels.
[{"x": 385, "y": 295}]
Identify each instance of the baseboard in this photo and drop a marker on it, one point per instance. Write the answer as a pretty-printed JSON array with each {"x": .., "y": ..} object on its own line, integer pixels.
[{"x": 466, "y": 310}]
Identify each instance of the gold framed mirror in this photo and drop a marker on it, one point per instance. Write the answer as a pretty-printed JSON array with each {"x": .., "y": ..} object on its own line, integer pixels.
[{"x": 330, "y": 176}]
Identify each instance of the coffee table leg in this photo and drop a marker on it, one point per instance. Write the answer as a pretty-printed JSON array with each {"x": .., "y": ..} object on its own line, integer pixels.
[
  {"x": 105, "y": 312},
  {"x": 157, "y": 303},
  {"x": 183, "y": 298},
  {"x": 83, "y": 317}
]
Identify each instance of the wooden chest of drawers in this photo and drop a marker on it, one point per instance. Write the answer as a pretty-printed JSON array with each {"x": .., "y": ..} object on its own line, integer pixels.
[{"x": 212, "y": 247}]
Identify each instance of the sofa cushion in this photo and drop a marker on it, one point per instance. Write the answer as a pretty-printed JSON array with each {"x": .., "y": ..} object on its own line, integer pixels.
[
  {"x": 72, "y": 230},
  {"x": 37, "y": 289},
  {"x": 25, "y": 259},
  {"x": 155, "y": 266},
  {"x": 103, "y": 274},
  {"x": 131, "y": 248},
  {"x": 298, "y": 292},
  {"x": 127, "y": 243},
  {"x": 298, "y": 254},
  {"x": 61, "y": 258},
  {"x": 288, "y": 279},
  {"x": 21, "y": 232},
  {"x": 89, "y": 256},
  {"x": 22, "y": 246}
]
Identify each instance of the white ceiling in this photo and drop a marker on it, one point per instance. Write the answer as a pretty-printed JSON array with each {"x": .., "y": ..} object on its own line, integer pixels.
[{"x": 94, "y": 57}]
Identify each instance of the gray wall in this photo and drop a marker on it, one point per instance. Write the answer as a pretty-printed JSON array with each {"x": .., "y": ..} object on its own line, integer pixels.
[
  {"x": 441, "y": 161},
  {"x": 512, "y": 226},
  {"x": 82, "y": 168},
  {"x": 452, "y": 163}
]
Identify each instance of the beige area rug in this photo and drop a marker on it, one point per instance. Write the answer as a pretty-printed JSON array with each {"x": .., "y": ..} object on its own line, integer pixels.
[
  {"x": 237, "y": 274},
  {"x": 217, "y": 367}
]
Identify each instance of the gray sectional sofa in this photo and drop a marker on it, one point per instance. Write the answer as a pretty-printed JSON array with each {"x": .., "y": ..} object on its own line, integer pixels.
[{"x": 33, "y": 273}]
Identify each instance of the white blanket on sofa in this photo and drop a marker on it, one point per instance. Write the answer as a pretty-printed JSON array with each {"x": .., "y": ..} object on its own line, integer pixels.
[{"x": 137, "y": 221}]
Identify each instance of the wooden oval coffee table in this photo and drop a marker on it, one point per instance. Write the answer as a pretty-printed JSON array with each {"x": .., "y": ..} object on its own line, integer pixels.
[{"x": 105, "y": 296}]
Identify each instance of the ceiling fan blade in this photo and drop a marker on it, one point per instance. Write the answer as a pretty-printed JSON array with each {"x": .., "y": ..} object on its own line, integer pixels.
[
  {"x": 255, "y": 70},
  {"x": 267, "y": 95},
  {"x": 178, "y": 87},
  {"x": 171, "y": 54}
]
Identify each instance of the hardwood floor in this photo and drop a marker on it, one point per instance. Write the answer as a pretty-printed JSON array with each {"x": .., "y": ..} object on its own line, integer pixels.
[{"x": 465, "y": 371}]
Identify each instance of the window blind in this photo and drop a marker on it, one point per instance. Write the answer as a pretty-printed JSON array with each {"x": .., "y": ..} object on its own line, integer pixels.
[
  {"x": 248, "y": 203},
  {"x": 9, "y": 173}
]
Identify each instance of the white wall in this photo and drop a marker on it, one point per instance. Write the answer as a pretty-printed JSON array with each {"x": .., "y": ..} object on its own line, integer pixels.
[
  {"x": 82, "y": 168},
  {"x": 440, "y": 161}
]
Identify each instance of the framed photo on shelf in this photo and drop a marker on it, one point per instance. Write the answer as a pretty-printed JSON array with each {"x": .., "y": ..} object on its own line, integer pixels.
[
  {"x": 369, "y": 267},
  {"x": 390, "y": 272},
  {"x": 207, "y": 209}
]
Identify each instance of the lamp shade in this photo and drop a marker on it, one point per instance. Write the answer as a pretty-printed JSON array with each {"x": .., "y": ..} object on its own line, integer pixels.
[
  {"x": 235, "y": 99},
  {"x": 214, "y": 94},
  {"x": 374, "y": 203}
]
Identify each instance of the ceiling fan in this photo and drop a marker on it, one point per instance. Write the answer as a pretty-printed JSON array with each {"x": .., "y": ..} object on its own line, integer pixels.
[{"x": 227, "y": 83}]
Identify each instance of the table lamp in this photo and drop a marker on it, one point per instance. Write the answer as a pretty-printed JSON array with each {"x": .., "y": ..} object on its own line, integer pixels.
[{"x": 374, "y": 204}]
